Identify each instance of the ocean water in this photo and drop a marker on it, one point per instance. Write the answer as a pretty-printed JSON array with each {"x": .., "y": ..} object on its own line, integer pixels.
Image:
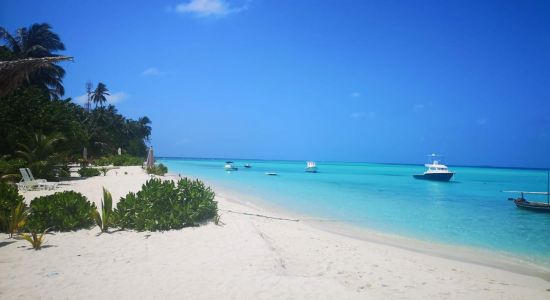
[{"x": 469, "y": 211}]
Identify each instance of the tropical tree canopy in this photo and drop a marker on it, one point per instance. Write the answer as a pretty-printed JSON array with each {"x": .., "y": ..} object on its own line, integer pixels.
[
  {"x": 36, "y": 41},
  {"x": 41, "y": 131},
  {"x": 99, "y": 94}
]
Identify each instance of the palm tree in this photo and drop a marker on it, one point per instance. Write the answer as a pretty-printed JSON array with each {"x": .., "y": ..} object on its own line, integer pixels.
[
  {"x": 37, "y": 41},
  {"x": 14, "y": 73},
  {"x": 40, "y": 152},
  {"x": 98, "y": 96}
]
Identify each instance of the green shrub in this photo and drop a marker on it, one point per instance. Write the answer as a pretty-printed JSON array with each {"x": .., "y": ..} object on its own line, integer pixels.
[
  {"x": 9, "y": 200},
  {"x": 88, "y": 172},
  {"x": 62, "y": 211},
  {"x": 9, "y": 169},
  {"x": 119, "y": 160},
  {"x": 17, "y": 218},
  {"x": 159, "y": 169},
  {"x": 103, "y": 161},
  {"x": 165, "y": 205}
]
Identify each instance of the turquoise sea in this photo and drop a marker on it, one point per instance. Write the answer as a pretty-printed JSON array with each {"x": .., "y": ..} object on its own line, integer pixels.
[{"x": 470, "y": 210}]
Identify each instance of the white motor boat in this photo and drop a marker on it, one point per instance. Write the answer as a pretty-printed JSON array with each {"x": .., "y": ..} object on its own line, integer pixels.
[
  {"x": 311, "y": 167},
  {"x": 229, "y": 166},
  {"x": 436, "y": 171}
]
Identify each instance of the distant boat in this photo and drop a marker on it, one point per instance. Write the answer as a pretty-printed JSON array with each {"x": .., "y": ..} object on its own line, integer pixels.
[
  {"x": 436, "y": 171},
  {"x": 522, "y": 203},
  {"x": 271, "y": 174},
  {"x": 247, "y": 166},
  {"x": 229, "y": 166},
  {"x": 311, "y": 167}
]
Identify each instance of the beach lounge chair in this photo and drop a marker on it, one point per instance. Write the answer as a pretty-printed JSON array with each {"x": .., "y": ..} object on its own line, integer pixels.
[
  {"x": 28, "y": 183},
  {"x": 32, "y": 177}
]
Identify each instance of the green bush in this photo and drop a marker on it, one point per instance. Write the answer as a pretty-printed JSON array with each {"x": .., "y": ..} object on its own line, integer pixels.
[
  {"x": 9, "y": 169},
  {"x": 119, "y": 160},
  {"x": 62, "y": 211},
  {"x": 88, "y": 172},
  {"x": 159, "y": 169},
  {"x": 9, "y": 200},
  {"x": 165, "y": 205},
  {"x": 103, "y": 161}
]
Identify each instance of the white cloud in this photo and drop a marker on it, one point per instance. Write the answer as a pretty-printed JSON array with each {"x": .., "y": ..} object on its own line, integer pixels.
[
  {"x": 117, "y": 97},
  {"x": 355, "y": 95},
  {"x": 111, "y": 99},
  {"x": 151, "y": 72},
  {"x": 208, "y": 8}
]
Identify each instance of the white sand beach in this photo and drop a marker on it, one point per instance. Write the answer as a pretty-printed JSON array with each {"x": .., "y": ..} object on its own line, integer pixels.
[{"x": 248, "y": 257}]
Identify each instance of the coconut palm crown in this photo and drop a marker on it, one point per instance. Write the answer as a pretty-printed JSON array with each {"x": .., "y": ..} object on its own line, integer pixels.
[{"x": 36, "y": 41}]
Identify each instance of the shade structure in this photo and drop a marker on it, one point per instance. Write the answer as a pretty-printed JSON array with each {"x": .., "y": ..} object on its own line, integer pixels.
[
  {"x": 85, "y": 153},
  {"x": 150, "y": 158}
]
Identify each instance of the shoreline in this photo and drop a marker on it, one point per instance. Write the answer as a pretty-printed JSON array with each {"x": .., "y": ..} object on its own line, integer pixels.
[
  {"x": 501, "y": 260},
  {"x": 246, "y": 256}
]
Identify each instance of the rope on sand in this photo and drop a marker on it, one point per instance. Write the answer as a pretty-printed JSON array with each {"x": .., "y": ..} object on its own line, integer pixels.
[{"x": 258, "y": 215}]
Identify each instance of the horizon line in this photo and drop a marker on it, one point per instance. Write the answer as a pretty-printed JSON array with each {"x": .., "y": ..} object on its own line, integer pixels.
[{"x": 363, "y": 162}]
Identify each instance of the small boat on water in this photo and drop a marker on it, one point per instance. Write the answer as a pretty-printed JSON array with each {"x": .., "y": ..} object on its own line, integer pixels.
[
  {"x": 248, "y": 166},
  {"x": 435, "y": 170},
  {"x": 311, "y": 167},
  {"x": 271, "y": 174},
  {"x": 229, "y": 166},
  {"x": 522, "y": 203}
]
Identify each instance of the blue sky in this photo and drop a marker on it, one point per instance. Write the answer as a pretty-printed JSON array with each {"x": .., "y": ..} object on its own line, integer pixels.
[{"x": 376, "y": 81}]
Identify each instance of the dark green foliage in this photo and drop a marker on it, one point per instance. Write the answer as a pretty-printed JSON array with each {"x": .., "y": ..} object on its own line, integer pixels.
[
  {"x": 9, "y": 200},
  {"x": 37, "y": 40},
  {"x": 32, "y": 113},
  {"x": 159, "y": 169},
  {"x": 63, "y": 211},
  {"x": 119, "y": 160},
  {"x": 89, "y": 172},
  {"x": 40, "y": 154},
  {"x": 9, "y": 169},
  {"x": 165, "y": 205}
]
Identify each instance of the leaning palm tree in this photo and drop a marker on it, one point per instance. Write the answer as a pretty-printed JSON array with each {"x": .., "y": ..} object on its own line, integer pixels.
[
  {"x": 99, "y": 94},
  {"x": 37, "y": 41},
  {"x": 14, "y": 73}
]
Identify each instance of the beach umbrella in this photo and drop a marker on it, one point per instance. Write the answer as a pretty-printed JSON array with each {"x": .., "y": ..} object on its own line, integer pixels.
[
  {"x": 85, "y": 153},
  {"x": 119, "y": 151},
  {"x": 150, "y": 158}
]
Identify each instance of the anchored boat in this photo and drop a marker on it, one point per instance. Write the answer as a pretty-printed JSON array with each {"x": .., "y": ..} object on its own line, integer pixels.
[
  {"x": 311, "y": 167},
  {"x": 522, "y": 203},
  {"x": 229, "y": 166},
  {"x": 435, "y": 170}
]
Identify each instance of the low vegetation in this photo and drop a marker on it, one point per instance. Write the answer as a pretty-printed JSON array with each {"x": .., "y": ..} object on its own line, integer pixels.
[
  {"x": 35, "y": 239},
  {"x": 165, "y": 205},
  {"x": 17, "y": 219},
  {"x": 119, "y": 160},
  {"x": 88, "y": 172},
  {"x": 106, "y": 218},
  {"x": 10, "y": 200},
  {"x": 62, "y": 211},
  {"x": 159, "y": 169}
]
